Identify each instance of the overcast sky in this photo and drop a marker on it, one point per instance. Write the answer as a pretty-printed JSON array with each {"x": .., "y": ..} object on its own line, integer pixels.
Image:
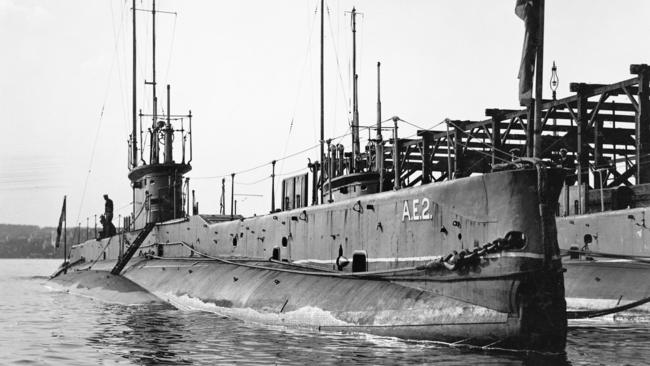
[{"x": 248, "y": 69}]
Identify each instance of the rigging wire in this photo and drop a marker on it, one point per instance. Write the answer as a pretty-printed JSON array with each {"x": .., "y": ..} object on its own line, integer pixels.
[
  {"x": 478, "y": 140},
  {"x": 265, "y": 178},
  {"x": 335, "y": 40},
  {"x": 338, "y": 64},
  {"x": 171, "y": 49},
  {"x": 144, "y": 66},
  {"x": 255, "y": 182},
  {"x": 99, "y": 126},
  {"x": 311, "y": 89},
  {"x": 282, "y": 158},
  {"x": 117, "y": 35},
  {"x": 483, "y": 153},
  {"x": 292, "y": 172},
  {"x": 300, "y": 82},
  {"x": 339, "y": 138},
  {"x": 416, "y": 126}
]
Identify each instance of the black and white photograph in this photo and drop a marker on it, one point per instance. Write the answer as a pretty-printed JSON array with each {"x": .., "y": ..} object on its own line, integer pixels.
[{"x": 325, "y": 182}]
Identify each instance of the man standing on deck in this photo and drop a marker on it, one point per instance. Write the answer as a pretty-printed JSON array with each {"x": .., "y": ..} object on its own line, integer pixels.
[
  {"x": 568, "y": 162},
  {"x": 108, "y": 209}
]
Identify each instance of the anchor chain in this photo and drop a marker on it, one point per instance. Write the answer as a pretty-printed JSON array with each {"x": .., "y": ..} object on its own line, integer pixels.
[{"x": 465, "y": 258}]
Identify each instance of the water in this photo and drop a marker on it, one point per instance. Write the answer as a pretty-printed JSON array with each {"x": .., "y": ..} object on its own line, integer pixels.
[{"x": 44, "y": 326}]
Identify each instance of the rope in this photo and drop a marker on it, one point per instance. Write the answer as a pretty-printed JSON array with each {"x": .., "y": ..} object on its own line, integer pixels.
[
  {"x": 414, "y": 125},
  {"x": 292, "y": 172},
  {"x": 336, "y": 56},
  {"x": 300, "y": 82},
  {"x": 298, "y": 153},
  {"x": 472, "y": 136},
  {"x": 255, "y": 182},
  {"x": 635, "y": 258},
  {"x": 265, "y": 164},
  {"x": 171, "y": 50},
  {"x": 100, "y": 253},
  {"x": 584, "y": 314},
  {"x": 117, "y": 35},
  {"x": 336, "y": 139},
  {"x": 452, "y": 262},
  {"x": 99, "y": 125},
  {"x": 138, "y": 214},
  {"x": 484, "y": 153},
  {"x": 348, "y": 133}
]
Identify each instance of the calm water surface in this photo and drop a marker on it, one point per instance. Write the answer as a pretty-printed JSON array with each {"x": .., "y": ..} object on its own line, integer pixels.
[{"x": 44, "y": 326}]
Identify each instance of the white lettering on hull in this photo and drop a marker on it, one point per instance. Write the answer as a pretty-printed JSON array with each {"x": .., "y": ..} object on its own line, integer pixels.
[{"x": 416, "y": 210}]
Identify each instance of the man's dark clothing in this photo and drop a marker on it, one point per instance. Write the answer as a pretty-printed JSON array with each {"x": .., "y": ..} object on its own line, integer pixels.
[
  {"x": 108, "y": 210},
  {"x": 568, "y": 162},
  {"x": 108, "y": 229}
]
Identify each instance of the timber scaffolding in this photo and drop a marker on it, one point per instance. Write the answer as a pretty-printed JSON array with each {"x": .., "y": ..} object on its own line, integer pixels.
[{"x": 605, "y": 128}]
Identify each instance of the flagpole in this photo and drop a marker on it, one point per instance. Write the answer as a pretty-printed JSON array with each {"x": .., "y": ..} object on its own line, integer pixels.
[
  {"x": 65, "y": 240},
  {"x": 539, "y": 81}
]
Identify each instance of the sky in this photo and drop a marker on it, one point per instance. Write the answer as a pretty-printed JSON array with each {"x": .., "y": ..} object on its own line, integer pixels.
[{"x": 249, "y": 72}]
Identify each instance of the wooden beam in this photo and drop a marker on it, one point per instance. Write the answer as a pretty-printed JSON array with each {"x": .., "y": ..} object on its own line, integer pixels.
[
  {"x": 590, "y": 90},
  {"x": 426, "y": 158},
  {"x": 582, "y": 149},
  {"x": 642, "y": 122},
  {"x": 623, "y": 177}
]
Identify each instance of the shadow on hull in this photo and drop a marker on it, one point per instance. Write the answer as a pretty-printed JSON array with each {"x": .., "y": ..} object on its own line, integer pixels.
[
  {"x": 104, "y": 286},
  {"x": 270, "y": 293}
]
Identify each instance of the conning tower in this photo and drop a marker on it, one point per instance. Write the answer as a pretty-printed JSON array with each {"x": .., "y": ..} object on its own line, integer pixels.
[{"x": 157, "y": 183}]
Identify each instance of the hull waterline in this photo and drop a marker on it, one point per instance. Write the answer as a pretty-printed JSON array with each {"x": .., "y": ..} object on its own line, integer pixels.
[{"x": 504, "y": 295}]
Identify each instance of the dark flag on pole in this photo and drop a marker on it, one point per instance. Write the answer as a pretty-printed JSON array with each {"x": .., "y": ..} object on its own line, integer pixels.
[
  {"x": 60, "y": 227},
  {"x": 527, "y": 11}
]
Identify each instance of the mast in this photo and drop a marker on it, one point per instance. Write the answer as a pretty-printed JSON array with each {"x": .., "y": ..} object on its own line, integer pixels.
[
  {"x": 153, "y": 55},
  {"x": 379, "y": 146},
  {"x": 378, "y": 100},
  {"x": 539, "y": 68},
  {"x": 355, "y": 107},
  {"x": 134, "y": 138},
  {"x": 232, "y": 195},
  {"x": 154, "y": 137},
  {"x": 169, "y": 133},
  {"x": 322, "y": 101},
  {"x": 222, "y": 201},
  {"x": 273, "y": 186}
]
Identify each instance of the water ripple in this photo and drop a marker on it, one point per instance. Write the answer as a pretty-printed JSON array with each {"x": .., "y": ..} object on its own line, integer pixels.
[{"x": 44, "y": 326}]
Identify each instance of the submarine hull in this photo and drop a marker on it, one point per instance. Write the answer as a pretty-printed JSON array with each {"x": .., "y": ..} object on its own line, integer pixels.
[
  {"x": 450, "y": 310},
  {"x": 611, "y": 264},
  {"x": 473, "y": 261}
]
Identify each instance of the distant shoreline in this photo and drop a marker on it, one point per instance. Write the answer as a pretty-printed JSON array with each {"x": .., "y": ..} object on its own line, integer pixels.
[
  {"x": 34, "y": 242},
  {"x": 12, "y": 258}
]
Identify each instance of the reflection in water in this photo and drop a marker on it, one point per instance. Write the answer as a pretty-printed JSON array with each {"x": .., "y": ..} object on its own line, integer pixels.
[{"x": 148, "y": 335}]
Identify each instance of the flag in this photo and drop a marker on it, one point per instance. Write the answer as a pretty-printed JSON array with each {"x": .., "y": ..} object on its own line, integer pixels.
[
  {"x": 60, "y": 227},
  {"x": 527, "y": 10}
]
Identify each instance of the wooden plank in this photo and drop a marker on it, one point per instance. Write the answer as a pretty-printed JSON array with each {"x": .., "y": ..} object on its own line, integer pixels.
[{"x": 590, "y": 90}]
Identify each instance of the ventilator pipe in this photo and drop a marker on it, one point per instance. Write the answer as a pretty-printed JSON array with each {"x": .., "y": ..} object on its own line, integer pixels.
[
  {"x": 169, "y": 133},
  {"x": 330, "y": 151},
  {"x": 341, "y": 155},
  {"x": 190, "y": 133},
  {"x": 396, "y": 184},
  {"x": 333, "y": 168}
]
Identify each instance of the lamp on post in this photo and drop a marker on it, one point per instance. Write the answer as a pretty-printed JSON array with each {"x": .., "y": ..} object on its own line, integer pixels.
[{"x": 555, "y": 82}]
